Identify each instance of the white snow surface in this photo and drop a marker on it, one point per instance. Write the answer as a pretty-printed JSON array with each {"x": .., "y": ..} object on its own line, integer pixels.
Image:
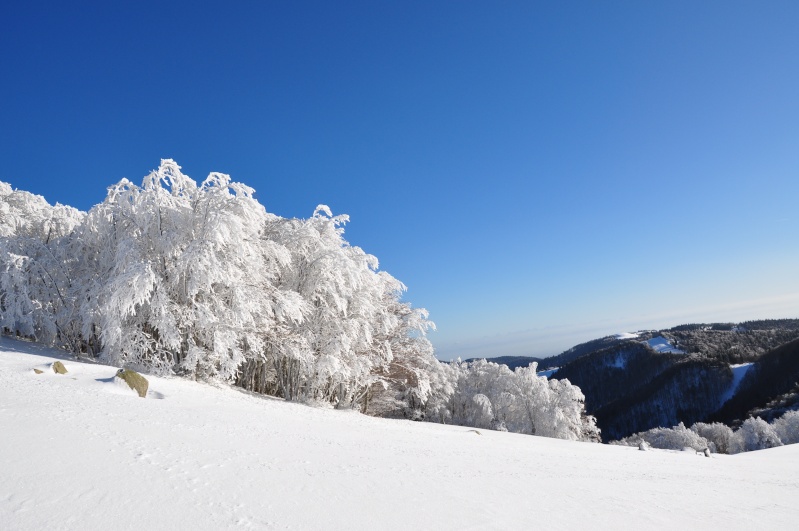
[
  {"x": 620, "y": 361},
  {"x": 738, "y": 372},
  {"x": 627, "y": 335},
  {"x": 661, "y": 344},
  {"x": 548, "y": 373},
  {"x": 77, "y": 451}
]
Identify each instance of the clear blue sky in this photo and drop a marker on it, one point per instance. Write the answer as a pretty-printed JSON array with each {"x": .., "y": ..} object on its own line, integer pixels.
[{"x": 537, "y": 173}]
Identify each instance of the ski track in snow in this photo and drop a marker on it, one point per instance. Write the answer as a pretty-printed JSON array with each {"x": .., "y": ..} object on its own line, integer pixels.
[{"x": 78, "y": 451}]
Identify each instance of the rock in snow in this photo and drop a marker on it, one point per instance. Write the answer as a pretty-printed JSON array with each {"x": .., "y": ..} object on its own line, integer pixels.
[{"x": 136, "y": 381}]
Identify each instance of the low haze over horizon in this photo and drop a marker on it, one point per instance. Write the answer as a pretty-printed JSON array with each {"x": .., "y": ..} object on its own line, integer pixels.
[{"x": 537, "y": 174}]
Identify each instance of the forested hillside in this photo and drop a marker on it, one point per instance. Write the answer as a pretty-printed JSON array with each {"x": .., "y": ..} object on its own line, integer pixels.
[
  {"x": 735, "y": 343},
  {"x": 630, "y": 386},
  {"x": 769, "y": 389},
  {"x": 686, "y": 392}
]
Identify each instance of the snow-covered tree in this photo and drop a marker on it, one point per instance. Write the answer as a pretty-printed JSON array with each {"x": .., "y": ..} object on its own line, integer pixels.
[
  {"x": 356, "y": 337},
  {"x": 718, "y": 435},
  {"x": 677, "y": 438},
  {"x": 179, "y": 274},
  {"x": 176, "y": 277},
  {"x": 36, "y": 269},
  {"x": 787, "y": 427},
  {"x": 754, "y": 434},
  {"x": 520, "y": 401}
]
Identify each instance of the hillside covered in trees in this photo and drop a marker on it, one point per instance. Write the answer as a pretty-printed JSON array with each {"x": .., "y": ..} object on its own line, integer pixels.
[{"x": 686, "y": 374}]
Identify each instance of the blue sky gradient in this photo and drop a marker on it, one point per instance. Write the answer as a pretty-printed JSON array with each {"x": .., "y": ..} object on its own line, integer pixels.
[{"x": 537, "y": 173}]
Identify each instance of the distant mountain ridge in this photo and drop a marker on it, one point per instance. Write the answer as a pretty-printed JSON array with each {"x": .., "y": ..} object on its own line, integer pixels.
[{"x": 629, "y": 386}]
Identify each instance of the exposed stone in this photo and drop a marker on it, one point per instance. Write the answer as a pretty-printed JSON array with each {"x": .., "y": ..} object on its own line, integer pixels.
[
  {"x": 38, "y": 371},
  {"x": 59, "y": 368},
  {"x": 135, "y": 381}
]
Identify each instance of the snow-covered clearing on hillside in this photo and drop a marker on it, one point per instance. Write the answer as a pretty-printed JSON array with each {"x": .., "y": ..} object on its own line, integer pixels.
[
  {"x": 627, "y": 335},
  {"x": 79, "y": 452},
  {"x": 738, "y": 372},
  {"x": 548, "y": 373},
  {"x": 662, "y": 345}
]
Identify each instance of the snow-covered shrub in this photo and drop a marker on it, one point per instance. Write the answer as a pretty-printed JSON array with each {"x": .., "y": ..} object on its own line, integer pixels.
[
  {"x": 718, "y": 435},
  {"x": 481, "y": 414},
  {"x": 198, "y": 279},
  {"x": 518, "y": 401},
  {"x": 356, "y": 341},
  {"x": 787, "y": 427},
  {"x": 677, "y": 438},
  {"x": 754, "y": 434}
]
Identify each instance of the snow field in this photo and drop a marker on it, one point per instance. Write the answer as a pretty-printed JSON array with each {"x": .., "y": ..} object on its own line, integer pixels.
[
  {"x": 78, "y": 452},
  {"x": 662, "y": 345}
]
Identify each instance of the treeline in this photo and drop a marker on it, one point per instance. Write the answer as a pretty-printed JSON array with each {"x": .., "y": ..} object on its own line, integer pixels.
[
  {"x": 490, "y": 395},
  {"x": 759, "y": 324},
  {"x": 753, "y": 434},
  {"x": 511, "y": 362},
  {"x": 737, "y": 345},
  {"x": 199, "y": 280}
]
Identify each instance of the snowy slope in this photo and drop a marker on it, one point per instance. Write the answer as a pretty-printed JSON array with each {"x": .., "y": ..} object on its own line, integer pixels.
[
  {"x": 548, "y": 373},
  {"x": 662, "y": 345},
  {"x": 738, "y": 372},
  {"x": 79, "y": 452}
]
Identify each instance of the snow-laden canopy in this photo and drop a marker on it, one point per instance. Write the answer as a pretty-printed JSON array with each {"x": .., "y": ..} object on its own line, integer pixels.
[{"x": 199, "y": 280}]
